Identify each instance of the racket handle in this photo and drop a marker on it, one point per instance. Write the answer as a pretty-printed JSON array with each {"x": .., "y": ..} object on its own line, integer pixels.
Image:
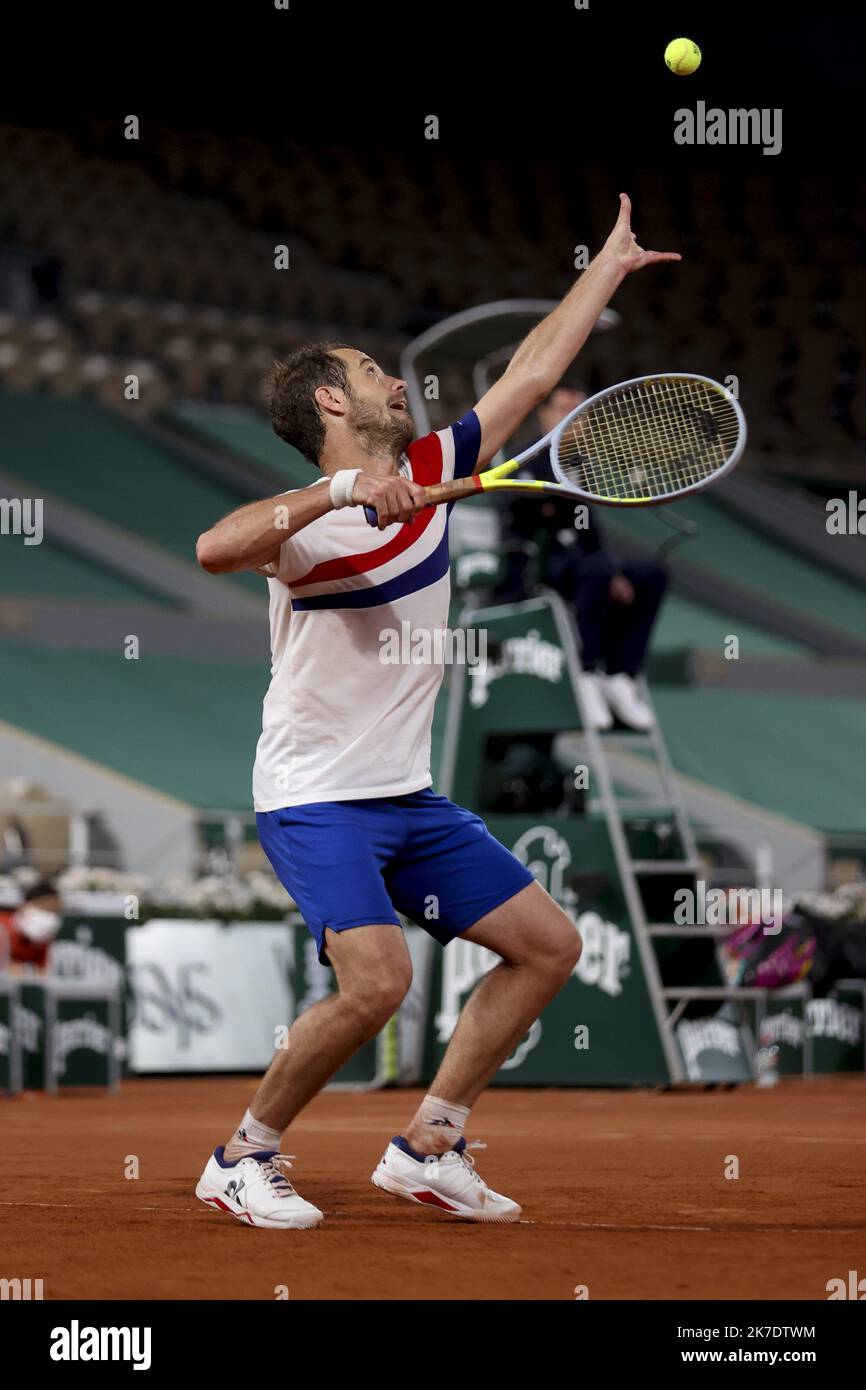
[
  {"x": 438, "y": 493},
  {"x": 450, "y": 492}
]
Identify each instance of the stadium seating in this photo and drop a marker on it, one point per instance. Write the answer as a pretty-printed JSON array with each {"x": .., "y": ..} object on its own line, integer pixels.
[
  {"x": 111, "y": 467},
  {"x": 185, "y": 727},
  {"x": 763, "y": 566},
  {"x": 147, "y": 239}
]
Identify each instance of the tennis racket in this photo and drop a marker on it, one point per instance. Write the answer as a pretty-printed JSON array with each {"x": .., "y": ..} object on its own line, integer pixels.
[{"x": 650, "y": 440}]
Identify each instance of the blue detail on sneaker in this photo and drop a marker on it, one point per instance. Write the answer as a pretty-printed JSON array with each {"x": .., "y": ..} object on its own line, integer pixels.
[{"x": 400, "y": 1143}]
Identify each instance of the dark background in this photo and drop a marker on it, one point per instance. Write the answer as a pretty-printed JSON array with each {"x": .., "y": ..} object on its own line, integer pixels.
[{"x": 521, "y": 78}]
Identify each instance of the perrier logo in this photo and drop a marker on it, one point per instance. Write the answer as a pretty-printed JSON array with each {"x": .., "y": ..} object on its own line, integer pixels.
[{"x": 526, "y": 655}]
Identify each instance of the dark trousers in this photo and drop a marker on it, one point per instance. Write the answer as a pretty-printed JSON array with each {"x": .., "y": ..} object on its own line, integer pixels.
[{"x": 614, "y": 636}]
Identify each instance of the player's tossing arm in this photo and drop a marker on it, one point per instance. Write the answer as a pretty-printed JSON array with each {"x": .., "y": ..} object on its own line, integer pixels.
[
  {"x": 547, "y": 352},
  {"x": 251, "y": 537}
]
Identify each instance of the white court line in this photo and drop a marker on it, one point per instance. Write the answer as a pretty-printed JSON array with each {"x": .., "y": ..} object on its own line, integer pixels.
[
  {"x": 78, "y": 1206},
  {"x": 612, "y": 1226},
  {"x": 603, "y": 1135},
  {"x": 551, "y": 1225},
  {"x": 543, "y": 1225},
  {"x": 815, "y": 1139},
  {"x": 721, "y": 1229},
  {"x": 72, "y": 1206}
]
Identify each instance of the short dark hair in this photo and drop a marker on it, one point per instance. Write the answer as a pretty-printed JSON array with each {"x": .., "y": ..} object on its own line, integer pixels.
[
  {"x": 290, "y": 389},
  {"x": 42, "y": 888}
]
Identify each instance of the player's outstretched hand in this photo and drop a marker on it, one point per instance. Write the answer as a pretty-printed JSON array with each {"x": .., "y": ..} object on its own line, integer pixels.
[
  {"x": 393, "y": 499},
  {"x": 622, "y": 243}
]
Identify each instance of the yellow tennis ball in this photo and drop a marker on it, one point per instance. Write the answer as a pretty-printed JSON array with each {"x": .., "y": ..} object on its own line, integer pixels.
[{"x": 682, "y": 56}]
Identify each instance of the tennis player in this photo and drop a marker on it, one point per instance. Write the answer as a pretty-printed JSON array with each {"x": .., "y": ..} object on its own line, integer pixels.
[{"x": 342, "y": 789}]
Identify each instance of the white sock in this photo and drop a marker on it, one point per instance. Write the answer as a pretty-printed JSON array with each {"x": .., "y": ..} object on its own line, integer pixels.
[
  {"x": 250, "y": 1137},
  {"x": 444, "y": 1115}
]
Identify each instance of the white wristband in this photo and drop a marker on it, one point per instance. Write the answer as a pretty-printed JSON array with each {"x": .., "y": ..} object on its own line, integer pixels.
[{"x": 342, "y": 487}]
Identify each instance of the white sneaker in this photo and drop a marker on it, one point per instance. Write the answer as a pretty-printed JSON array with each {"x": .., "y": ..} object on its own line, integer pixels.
[
  {"x": 255, "y": 1189},
  {"x": 447, "y": 1181},
  {"x": 597, "y": 712},
  {"x": 621, "y": 694}
]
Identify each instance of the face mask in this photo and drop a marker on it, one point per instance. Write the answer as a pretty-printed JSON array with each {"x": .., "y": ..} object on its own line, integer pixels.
[{"x": 37, "y": 924}]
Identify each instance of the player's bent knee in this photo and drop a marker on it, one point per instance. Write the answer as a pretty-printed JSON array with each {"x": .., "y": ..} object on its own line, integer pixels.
[
  {"x": 556, "y": 952},
  {"x": 374, "y": 1012},
  {"x": 567, "y": 950},
  {"x": 375, "y": 1001},
  {"x": 564, "y": 945}
]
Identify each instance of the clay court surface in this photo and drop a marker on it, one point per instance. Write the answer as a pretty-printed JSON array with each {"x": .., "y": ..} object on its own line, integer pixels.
[{"x": 623, "y": 1191}]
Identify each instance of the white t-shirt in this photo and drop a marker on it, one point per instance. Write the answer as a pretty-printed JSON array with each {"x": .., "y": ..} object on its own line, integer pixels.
[{"x": 338, "y": 722}]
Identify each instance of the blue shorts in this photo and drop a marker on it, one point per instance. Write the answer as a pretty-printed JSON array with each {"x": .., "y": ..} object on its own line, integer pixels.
[{"x": 356, "y": 863}]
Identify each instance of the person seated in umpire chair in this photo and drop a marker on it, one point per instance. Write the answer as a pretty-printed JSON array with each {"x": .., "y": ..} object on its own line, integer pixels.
[{"x": 615, "y": 601}]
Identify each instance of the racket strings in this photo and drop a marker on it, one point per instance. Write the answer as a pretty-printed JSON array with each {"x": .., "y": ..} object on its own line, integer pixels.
[{"x": 649, "y": 440}]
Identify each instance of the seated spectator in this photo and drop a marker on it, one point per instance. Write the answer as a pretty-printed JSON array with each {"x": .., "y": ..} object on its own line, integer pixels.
[
  {"x": 615, "y": 601},
  {"x": 30, "y": 928}
]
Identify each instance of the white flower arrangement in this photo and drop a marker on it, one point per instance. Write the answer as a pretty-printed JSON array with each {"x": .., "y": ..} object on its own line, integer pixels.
[
  {"x": 253, "y": 897},
  {"x": 86, "y": 878},
  {"x": 847, "y": 903}
]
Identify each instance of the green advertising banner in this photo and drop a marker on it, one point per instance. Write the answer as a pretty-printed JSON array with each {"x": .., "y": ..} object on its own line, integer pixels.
[
  {"x": 69, "y": 1033},
  {"x": 93, "y": 947},
  {"x": 10, "y": 1051},
  {"x": 836, "y": 1026},
  {"x": 716, "y": 1048},
  {"x": 85, "y": 1037},
  {"x": 30, "y": 1022},
  {"x": 522, "y": 687},
  {"x": 830, "y": 1029}
]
